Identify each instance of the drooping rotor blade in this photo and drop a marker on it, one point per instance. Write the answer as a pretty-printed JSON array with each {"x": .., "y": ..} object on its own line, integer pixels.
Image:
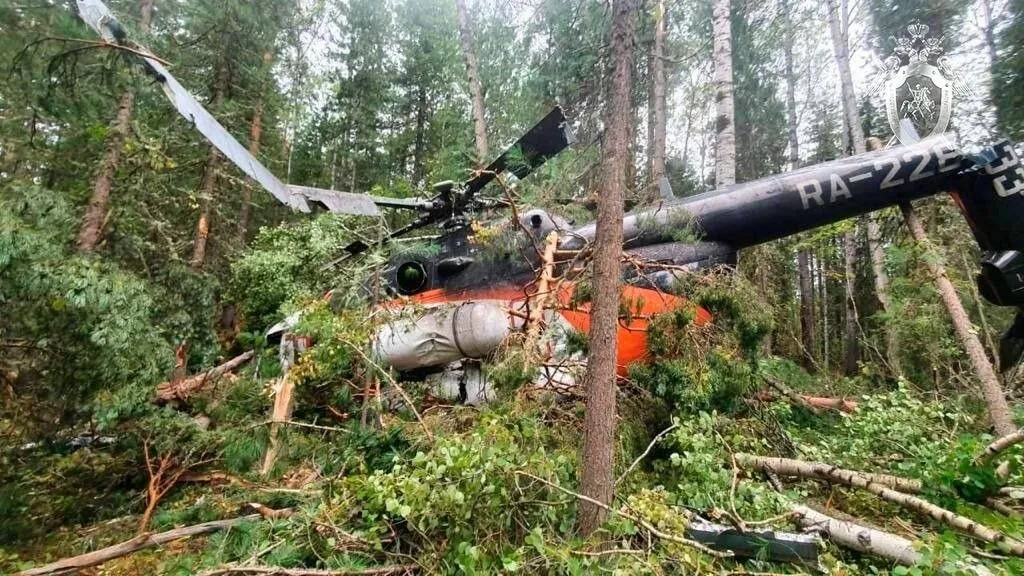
[
  {"x": 546, "y": 139},
  {"x": 356, "y": 204},
  {"x": 222, "y": 140},
  {"x": 99, "y": 18}
]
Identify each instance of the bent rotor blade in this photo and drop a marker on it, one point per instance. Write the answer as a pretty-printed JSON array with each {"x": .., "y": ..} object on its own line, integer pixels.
[
  {"x": 98, "y": 17},
  {"x": 546, "y": 139},
  {"x": 208, "y": 126}
]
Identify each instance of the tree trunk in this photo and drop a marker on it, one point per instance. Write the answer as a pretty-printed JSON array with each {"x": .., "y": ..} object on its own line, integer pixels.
[
  {"x": 865, "y": 482},
  {"x": 96, "y": 212},
  {"x": 419, "y": 150},
  {"x": 860, "y": 538},
  {"x": 851, "y": 347},
  {"x": 806, "y": 307},
  {"x": 823, "y": 299},
  {"x": 838, "y": 27},
  {"x": 995, "y": 399},
  {"x": 599, "y": 443},
  {"x": 659, "y": 117},
  {"x": 255, "y": 134},
  {"x": 725, "y": 119},
  {"x": 476, "y": 91},
  {"x": 802, "y": 254},
  {"x": 791, "y": 120},
  {"x": 206, "y": 188}
]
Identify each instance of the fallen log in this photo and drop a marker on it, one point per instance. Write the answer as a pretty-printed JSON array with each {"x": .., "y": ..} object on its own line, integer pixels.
[
  {"x": 1000, "y": 445},
  {"x": 812, "y": 402},
  {"x": 859, "y": 538},
  {"x": 827, "y": 472},
  {"x": 883, "y": 491},
  {"x": 182, "y": 389},
  {"x": 140, "y": 542},
  {"x": 866, "y": 540}
]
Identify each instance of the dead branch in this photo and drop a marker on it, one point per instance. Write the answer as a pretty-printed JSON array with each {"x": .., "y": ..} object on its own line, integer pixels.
[
  {"x": 860, "y": 538},
  {"x": 277, "y": 571},
  {"x": 270, "y": 513},
  {"x": 646, "y": 452},
  {"x": 643, "y": 523},
  {"x": 789, "y": 393},
  {"x": 1000, "y": 445},
  {"x": 398, "y": 388},
  {"x": 826, "y": 472},
  {"x": 812, "y": 402},
  {"x": 880, "y": 489},
  {"x": 140, "y": 542},
  {"x": 182, "y": 389},
  {"x": 163, "y": 476}
]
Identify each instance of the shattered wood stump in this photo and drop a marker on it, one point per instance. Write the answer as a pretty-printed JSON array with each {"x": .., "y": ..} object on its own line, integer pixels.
[{"x": 182, "y": 389}]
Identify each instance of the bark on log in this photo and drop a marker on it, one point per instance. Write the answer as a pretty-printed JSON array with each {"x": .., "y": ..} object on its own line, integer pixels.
[
  {"x": 859, "y": 480},
  {"x": 826, "y": 472},
  {"x": 860, "y": 538},
  {"x": 992, "y": 390},
  {"x": 820, "y": 402},
  {"x": 141, "y": 542},
  {"x": 999, "y": 445},
  {"x": 182, "y": 389}
]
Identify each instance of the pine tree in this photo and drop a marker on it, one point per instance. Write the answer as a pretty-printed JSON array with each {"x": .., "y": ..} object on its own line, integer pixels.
[{"x": 597, "y": 480}]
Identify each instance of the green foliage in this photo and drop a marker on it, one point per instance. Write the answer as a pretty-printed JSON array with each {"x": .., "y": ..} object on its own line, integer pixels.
[
  {"x": 285, "y": 265},
  {"x": 698, "y": 472},
  {"x": 84, "y": 324},
  {"x": 711, "y": 366}
]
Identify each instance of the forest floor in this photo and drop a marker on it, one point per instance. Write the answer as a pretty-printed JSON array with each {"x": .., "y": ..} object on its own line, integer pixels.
[{"x": 356, "y": 489}]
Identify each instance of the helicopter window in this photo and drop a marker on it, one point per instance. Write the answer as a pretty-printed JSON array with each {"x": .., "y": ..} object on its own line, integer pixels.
[{"x": 411, "y": 277}]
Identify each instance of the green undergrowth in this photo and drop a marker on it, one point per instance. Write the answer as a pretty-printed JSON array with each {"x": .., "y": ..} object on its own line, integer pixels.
[{"x": 489, "y": 490}]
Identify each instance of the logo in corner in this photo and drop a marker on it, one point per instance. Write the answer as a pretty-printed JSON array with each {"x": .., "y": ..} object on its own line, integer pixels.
[{"x": 919, "y": 86}]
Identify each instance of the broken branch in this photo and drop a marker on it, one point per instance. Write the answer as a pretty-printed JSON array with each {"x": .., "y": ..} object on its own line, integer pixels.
[
  {"x": 860, "y": 538},
  {"x": 1000, "y": 445},
  {"x": 140, "y": 542},
  {"x": 826, "y": 472},
  {"x": 883, "y": 491},
  {"x": 643, "y": 523},
  {"x": 182, "y": 389}
]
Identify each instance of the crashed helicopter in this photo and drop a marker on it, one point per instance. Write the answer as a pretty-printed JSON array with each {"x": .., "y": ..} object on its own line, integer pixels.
[{"x": 467, "y": 303}]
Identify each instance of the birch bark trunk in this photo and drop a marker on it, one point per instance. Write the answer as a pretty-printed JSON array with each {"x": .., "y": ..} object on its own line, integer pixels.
[
  {"x": 725, "y": 120},
  {"x": 476, "y": 90}
]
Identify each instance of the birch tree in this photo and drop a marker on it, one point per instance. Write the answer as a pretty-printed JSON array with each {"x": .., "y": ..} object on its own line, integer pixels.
[
  {"x": 725, "y": 119},
  {"x": 657, "y": 102},
  {"x": 476, "y": 90}
]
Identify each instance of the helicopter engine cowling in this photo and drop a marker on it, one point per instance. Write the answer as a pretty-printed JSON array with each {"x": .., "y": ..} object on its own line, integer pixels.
[{"x": 442, "y": 335}]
